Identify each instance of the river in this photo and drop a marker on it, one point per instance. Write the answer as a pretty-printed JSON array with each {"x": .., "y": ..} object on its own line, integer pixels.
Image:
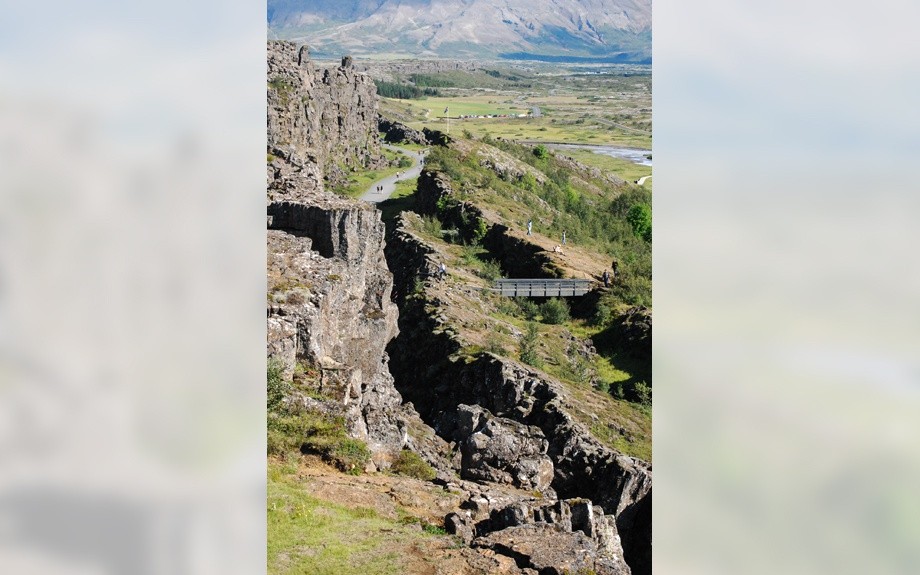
[{"x": 634, "y": 155}]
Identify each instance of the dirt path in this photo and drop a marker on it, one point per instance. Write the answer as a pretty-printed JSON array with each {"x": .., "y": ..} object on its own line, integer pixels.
[{"x": 373, "y": 195}]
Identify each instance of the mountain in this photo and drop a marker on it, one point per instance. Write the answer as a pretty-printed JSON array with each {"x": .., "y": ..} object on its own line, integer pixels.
[{"x": 614, "y": 30}]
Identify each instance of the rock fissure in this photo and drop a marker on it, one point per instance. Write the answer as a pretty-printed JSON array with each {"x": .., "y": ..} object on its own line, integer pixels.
[{"x": 450, "y": 393}]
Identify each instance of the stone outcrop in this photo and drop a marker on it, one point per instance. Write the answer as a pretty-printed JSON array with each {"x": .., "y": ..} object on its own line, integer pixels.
[
  {"x": 323, "y": 117},
  {"x": 590, "y": 171},
  {"x": 551, "y": 551},
  {"x": 566, "y": 534},
  {"x": 520, "y": 258},
  {"x": 500, "y": 450},
  {"x": 395, "y": 132}
]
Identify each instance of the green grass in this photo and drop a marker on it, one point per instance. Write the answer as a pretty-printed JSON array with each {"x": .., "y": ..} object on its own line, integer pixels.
[
  {"x": 465, "y": 105},
  {"x": 540, "y": 130},
  {"x": 309, "y": 535},
  {"x": 411, "y": 464}
]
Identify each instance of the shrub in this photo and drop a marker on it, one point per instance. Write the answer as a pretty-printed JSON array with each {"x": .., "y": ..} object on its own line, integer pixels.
[
  {"x": 602, "y": 315},
  {"x": 508, "y": 306},
  {"x": 529, "y": 353},
  {"x": 528, "y": 307},
  {"x": 316, "y": 432},
  {"x": 276, "y": 385},
  {"x": 490, "y": 270},
  {"x": 349, "y": 455},
  {"x": 433, "y": 529},
  {"x": 287, "y": 433},
  {"x": 405, "y": 161},
  {"x": 493, "y": 345},
  {"x": 643, "y": 393},
  {"x": 555, "y": 311},
  {"x": 410, "y": 464},
  {"x": 432, "y": 226},
  {"x": 541, "y": 152}
]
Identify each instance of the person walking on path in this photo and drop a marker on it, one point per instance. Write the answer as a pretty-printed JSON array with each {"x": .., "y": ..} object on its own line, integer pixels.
[
  {"x": 615, "y": 265},
  {"x": 442, "y": 271},
  {"x": 529, "y": 227},
  {"x": 606, "y": 277},
  {"x": 563, "y": 237}
]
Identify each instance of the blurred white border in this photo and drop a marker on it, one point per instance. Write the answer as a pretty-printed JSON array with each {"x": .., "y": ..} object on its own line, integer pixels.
[
  {"x": 787, "y": 379},
  {"x": 132, "y": 265}
]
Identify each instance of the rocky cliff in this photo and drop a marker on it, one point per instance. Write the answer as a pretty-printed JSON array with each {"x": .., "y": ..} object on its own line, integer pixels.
[
  {"x": 322, "y": 117},
  {"x": 329, "y": 307}
]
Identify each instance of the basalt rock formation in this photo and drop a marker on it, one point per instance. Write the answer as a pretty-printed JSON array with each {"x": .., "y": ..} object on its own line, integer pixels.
[
  {"x": 329, "y": 302},
  {"x": 537, "y": 487}
]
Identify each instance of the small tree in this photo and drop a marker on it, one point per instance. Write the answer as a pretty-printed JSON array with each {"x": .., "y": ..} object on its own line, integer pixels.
[
  {"x": 529, "y": 353},
  {"x": 555, "y": 311},
  {"x": 541, "y": 152},
  {"x": 278, "y": 388},
  {"x": 640, "y": 218}
]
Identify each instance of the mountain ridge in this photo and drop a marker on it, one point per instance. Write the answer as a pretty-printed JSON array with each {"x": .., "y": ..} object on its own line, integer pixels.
[{"x": 618, "y": 29}]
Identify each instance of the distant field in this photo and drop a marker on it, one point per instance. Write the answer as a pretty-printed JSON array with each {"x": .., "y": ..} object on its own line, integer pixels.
[
  {"x": 463, "y": 105},
  {"x": 600, "y": 105},
  {"x": 540, "y": 129}
]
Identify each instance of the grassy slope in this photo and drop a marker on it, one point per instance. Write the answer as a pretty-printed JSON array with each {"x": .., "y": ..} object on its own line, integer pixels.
[
  {"x": 488, "y": 323},
  {"x": 347, "y": 533}
]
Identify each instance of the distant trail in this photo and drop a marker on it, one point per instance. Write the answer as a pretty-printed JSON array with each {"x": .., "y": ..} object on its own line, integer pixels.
[
  {"x": 641, "y": 180},
  {"x": 389, "y": 183}
]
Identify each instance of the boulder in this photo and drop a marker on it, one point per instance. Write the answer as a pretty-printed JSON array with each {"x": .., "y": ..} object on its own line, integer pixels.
[{"x": 501, "y": 450}]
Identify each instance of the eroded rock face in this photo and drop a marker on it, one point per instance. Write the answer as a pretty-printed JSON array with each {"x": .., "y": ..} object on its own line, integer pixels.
[
  {"x": 323, "y": 117},
  {"x": 329, "y": 288},
  {"x": 332, "y": 310},
  {"x": 501, "y": 450}
]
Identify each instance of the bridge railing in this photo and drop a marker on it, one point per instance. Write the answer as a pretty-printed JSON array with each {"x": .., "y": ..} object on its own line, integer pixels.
[{"x": 543, "y": 287}]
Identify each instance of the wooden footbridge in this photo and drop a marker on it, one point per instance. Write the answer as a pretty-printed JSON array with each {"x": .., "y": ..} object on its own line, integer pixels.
[{"x": 543, "y": 287}]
